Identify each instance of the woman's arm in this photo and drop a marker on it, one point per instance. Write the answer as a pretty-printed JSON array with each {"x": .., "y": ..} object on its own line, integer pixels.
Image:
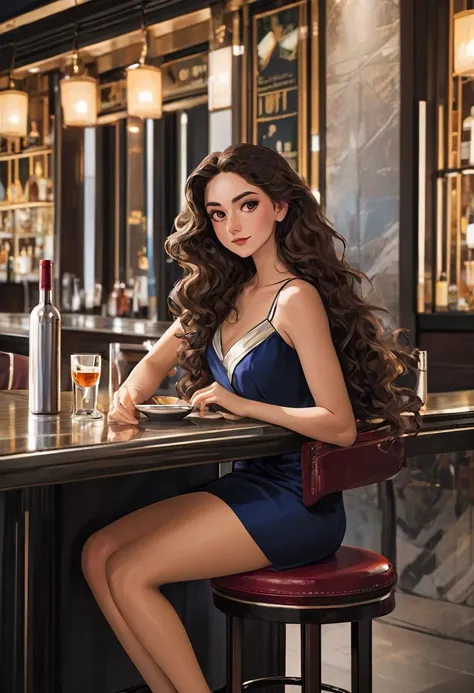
[
  {"x": 154, "y": 367},
  {"x": 303, "y": 319},
  {"x": 146, "y": 377},
  {"x": 303, "y": 322}
]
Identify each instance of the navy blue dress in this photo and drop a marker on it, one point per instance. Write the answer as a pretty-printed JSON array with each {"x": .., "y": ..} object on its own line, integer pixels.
[{"x": 266, "y": 493}]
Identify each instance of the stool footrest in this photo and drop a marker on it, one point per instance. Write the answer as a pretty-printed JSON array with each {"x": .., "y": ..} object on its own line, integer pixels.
[{"x": 289, "y": 681}]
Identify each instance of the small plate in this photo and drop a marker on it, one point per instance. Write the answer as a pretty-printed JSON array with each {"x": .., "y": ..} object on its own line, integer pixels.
[{"x": 165, "y": 412}]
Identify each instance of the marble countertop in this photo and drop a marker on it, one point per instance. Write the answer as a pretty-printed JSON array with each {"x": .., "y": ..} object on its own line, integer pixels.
[
  {"x": 54, "y": 449},
  {"x": 17, "y": 325}
]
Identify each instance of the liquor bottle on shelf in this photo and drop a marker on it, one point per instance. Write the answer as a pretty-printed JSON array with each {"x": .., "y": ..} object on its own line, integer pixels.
[
  {"x": 15, "y": 191},
  {"x": 11, "y": 269},
  {"x": 4, "y": 253},
  {"x": 441, "y": 297},
  {"x": 97, "y": 310},
  {"x": 112, "y": 303},
  {"x": 42, "y": 183},
  {"x": 32, "y": 189},
  {"x": 45, "y": 348},
  {"x": 135, "y": 298},
  {"x": 49, "y": 190},
  {"x": 453, "y": 297},
  {"x": 24, "y": 262},
  {"x": 76, "y": 300},
  {"x": 123, "y": 302},
  {"x": 467, "y": 141}
]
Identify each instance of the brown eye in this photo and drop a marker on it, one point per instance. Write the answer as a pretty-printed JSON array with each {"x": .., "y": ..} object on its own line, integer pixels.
[
  {"x": 213, "y": 217},
  {"x": 250, "y": 205}
]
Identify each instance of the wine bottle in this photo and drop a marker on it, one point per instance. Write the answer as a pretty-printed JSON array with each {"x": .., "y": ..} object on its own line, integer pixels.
[{"x": 45, "y": 348}]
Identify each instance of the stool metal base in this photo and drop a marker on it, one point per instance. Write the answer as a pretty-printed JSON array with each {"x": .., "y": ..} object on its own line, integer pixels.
[
  {"x": 289, "y": 681},
  {"x": 310, "y": 680}
]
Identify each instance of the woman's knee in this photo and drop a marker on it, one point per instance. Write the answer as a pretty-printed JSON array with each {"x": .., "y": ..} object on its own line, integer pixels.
[
  {"x": 123, "y": 574},
  {"x": 96, "y": 552}
]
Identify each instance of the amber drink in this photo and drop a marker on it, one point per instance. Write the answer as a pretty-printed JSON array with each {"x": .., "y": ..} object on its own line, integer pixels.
[{"x": 85, "y": 372}]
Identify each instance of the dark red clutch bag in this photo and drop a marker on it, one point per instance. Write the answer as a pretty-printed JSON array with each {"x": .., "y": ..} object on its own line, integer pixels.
[{"x": 375, "y": 456}]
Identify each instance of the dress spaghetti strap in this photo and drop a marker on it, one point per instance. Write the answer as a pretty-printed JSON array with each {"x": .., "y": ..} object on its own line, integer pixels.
[{"x": 271, "y": 312}]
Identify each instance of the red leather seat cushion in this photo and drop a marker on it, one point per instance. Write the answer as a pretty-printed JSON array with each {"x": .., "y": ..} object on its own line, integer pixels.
[
  {"x": 351, "y": 575},
  {"x": 18, "y": 379}
]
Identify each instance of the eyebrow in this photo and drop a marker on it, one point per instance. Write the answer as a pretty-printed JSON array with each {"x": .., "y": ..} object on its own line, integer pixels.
[{"x": 236, "y": 199}]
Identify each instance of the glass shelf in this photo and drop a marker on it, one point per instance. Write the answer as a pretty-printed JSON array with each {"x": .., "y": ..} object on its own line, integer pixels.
[
  {"x": 24, "y": 205},
  {"x": 26, "y": 154},
  {"x": 453, "y": 172}
]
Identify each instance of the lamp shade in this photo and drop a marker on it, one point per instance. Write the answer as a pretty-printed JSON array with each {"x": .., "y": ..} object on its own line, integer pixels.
[
  {"x": 13, "y": 113},
  {"x": 464, "y": 43},
  {"x": 144, "y": 91},
  {"x": 79, "y": 100},
  {"x": 220, "y": 78}
]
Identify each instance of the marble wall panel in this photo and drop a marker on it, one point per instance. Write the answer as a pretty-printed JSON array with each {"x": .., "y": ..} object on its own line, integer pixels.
[{"x": 363, "y": 138}]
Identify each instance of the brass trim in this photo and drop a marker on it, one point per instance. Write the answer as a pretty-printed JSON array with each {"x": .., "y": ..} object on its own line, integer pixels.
[
  {"x": 184, "y": 104},
  {"x": 11, "y": 367},
  {"x": 313, "y": 157},
  {"x": 278, "y": 9},
  {"x": 164, "y": 37},
  {"x": 421, "y": 203},
  {"x": 41, "y": 13},
  {"x": 458, "y": 201},
  {"x": 118, "y": 164},
  {"x": 303, "y": 93},
  {"x": 245, "y": 73},
  {"x": 26, "y": 605},
  {"x": 305, "y": 608}
]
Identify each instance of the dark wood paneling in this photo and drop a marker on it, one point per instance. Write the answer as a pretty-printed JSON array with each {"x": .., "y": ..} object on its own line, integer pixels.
[
  {"x": 450, "y": 360},
  {"x": 71, "y": 219},
  {"x": 96, "y": 21}
]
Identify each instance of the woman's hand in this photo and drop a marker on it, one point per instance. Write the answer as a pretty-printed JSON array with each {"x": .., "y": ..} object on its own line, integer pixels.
[
  {"x": 120, "y": 432},
  {"x": 122, "y": 409},
  {"x": 216, "y": 394}
]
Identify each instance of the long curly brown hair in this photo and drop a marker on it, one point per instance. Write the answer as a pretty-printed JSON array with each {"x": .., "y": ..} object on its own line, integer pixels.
[{"x": 371, "y": 360}]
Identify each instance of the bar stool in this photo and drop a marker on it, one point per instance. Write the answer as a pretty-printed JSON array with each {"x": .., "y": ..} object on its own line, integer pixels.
[
  {"x": 13, "y": 371},
  {"x": 353, "y": 586}
]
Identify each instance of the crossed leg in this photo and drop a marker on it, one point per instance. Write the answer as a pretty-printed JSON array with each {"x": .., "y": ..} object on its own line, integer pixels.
[{"x": 190, "y": 537}]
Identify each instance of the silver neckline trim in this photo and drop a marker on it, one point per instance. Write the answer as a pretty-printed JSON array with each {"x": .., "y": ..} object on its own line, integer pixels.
[{"x": 243, "y": 346}]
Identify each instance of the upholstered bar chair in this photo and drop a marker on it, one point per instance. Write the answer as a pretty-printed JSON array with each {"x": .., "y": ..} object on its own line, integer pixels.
[
  {"x": 13, "y": 371},
  {"x": 354, "y": 586}
]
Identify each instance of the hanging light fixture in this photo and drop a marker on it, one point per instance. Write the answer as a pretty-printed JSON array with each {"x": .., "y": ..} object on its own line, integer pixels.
[
  {"x": 144, "y": 85},
  {"x": 78, "y": 95},
  {"x": 13, "y": 109},
  {"x": 220, "y": 78},
  {"x": 220, "y": 68},
  {"x": 464, "y": 43}
]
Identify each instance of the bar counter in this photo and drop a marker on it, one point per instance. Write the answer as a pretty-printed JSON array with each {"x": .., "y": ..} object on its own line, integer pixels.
[
  {"x": 44, "y": 450},
  {"x": 17, "y": 325},
  {"x": 52, "y": 637}
]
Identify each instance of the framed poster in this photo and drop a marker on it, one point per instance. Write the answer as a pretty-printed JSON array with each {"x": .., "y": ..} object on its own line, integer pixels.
[{"x": 279, "y": 88}]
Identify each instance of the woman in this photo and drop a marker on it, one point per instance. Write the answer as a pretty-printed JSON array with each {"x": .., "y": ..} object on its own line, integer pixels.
[{"x": 269, "y": 325}]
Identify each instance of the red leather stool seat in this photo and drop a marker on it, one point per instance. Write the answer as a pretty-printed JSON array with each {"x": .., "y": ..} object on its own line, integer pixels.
[{"x": 352, "y": 575}]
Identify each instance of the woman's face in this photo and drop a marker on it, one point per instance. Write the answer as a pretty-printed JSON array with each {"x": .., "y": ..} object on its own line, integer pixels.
[{"x": 243, "y": 216}]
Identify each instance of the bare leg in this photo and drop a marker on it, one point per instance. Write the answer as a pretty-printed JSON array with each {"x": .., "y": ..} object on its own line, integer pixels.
[
  {"x": 195, "y": 536},
  {"x": 97, "y": 550}
]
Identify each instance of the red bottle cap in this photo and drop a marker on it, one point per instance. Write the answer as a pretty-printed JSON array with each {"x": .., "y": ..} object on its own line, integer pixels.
[{"x": 46, "y": 275}]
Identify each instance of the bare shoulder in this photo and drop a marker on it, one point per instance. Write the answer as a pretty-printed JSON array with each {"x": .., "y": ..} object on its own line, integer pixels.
[
  {"x": 301, "y": 313},
  {"x": 299, "y": 299}
]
